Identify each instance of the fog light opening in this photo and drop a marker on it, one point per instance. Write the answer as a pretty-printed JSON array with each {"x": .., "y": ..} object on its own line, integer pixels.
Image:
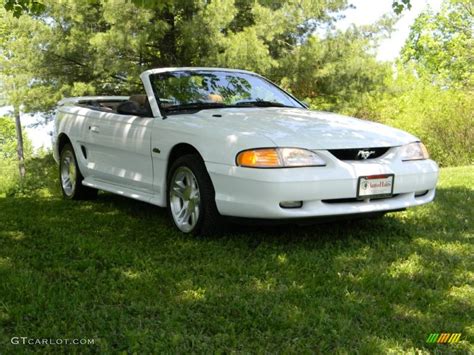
[
  {"x": 291, "y": 204},
  {"x": 421, "y": 193}
]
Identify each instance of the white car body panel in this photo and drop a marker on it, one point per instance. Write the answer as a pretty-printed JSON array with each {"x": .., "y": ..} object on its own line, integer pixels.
[
  {"x": 262, "y": 194},
  {"x": 120, "y": 156},
  {"x": 302, "y": 128},
  {"x": 119, "y": 148}
]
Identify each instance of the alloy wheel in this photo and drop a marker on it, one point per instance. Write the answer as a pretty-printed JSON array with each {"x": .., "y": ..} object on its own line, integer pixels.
[{"x": 184, "y": 199}]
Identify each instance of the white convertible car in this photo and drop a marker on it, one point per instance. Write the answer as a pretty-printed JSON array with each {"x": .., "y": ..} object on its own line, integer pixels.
[{"x": 208, "y": 142}]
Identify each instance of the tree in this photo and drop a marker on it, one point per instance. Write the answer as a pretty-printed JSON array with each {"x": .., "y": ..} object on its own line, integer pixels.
[
  {"x": 67, "y": 50},
  {"x": 8, "y": 140},
  {"x": 18, "y": 7},
  {"x": 18, "y": 59},
  {"x": 9, "y": 146},
  {"x": 8, "y": 154},
  {"x": 400, "y": 5},
  {"x": 333, "y": 72},
  {"x": 430, "y": 92},
  {"x": 442, "y": 45}
]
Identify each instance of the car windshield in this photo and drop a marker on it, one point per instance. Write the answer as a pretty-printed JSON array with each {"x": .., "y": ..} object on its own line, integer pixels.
[{"x": 180, "y": 91}]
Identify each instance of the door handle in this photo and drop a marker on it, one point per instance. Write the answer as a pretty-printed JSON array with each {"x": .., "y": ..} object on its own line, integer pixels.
[{"x": 94, "y": 129}]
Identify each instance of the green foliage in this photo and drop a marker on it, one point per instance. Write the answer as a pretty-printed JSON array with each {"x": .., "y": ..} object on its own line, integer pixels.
[
  {"x": 332, "y": 73},
  {"x": 68, "y": 50},
  {"x": 442, "y": 118},
  {"x": 8, "y": 166},
  {"x": 40, "y": 180},
  {"x": 7, "y": 139},
  {"x": 21, "y": 60},
  {"x": 116, "y": 271},
  {"x": 400, "y": 5},
  {"x": 442, "y": 45},
  {"x": 9, "y": 176},
  {"x": 430, "y": 92},
  {"x": 18, "y": 7}
]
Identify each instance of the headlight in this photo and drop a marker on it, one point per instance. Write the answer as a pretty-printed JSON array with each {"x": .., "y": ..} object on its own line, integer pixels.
[
  {"x": 414, "y": 151},
  {"x": 278, "y": 158}
]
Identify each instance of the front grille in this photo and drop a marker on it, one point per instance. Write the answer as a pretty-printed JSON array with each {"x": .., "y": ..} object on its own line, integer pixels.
[{"x": 359, "y": 153}]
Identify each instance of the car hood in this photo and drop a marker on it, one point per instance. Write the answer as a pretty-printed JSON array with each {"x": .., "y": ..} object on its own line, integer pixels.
[{"x": 292, "y": 127}]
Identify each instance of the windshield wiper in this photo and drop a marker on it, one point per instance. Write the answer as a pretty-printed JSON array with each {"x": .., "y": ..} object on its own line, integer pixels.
[
  {"x": 261, "y": 103},
  {"x": 197, "y": 106},
  {"x": 194, "y": 106}
]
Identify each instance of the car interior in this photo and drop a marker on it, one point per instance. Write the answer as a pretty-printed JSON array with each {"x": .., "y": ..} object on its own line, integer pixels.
[{"x": 136, "y": 105}]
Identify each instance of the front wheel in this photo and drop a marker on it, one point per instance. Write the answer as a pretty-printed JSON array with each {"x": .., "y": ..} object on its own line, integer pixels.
[
  {"x": 191, "y": 197},
  {"x": 71, "y": 178}
]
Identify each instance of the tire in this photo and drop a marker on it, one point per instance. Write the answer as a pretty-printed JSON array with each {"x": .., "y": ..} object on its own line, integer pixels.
[
  {"x": 191, "y": 200},
  {"x": 70, "y": 177}
]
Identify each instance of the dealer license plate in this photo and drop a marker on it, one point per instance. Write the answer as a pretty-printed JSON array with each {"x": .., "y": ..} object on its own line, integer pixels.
[{"x": 375, "y": 186}]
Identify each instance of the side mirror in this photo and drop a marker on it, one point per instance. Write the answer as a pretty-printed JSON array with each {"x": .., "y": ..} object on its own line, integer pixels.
[{"x": 130, "y": 108}]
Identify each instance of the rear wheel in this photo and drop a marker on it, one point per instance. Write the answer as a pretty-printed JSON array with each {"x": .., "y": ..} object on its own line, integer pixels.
[
  {"x": 71, "y": 178},
  {"x": 191, "y": 197}
]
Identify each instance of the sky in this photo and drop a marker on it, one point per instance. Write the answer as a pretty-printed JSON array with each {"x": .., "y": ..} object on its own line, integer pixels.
[
  {"x": 365, "y": 12},
  {"x": 369, "y": 11}
]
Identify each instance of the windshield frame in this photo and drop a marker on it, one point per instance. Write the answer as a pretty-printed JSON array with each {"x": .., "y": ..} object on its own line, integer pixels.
[{"x": 165, "y": 112}]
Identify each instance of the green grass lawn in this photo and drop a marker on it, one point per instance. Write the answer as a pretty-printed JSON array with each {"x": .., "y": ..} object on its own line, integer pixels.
[{"x": 116, "y": 271}]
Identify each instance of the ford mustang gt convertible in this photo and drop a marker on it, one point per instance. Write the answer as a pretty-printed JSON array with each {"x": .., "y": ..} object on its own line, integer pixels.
[{"x": 209, "y": 142}]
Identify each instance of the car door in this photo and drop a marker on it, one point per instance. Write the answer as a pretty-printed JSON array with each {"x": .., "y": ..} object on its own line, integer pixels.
[{"x": 119, "y": 150}]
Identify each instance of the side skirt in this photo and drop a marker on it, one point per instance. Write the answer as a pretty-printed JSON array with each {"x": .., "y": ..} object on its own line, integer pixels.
[{"x": 121, "y": 190}]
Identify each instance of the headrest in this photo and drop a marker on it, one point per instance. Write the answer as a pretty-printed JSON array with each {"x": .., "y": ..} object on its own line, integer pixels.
[
  {"x": 139, "y": 99},
  {"x": 215, "y": 98}
]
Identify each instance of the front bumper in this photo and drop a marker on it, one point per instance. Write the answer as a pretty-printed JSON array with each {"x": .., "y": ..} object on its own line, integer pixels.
[{"x": 325, "y": 191}]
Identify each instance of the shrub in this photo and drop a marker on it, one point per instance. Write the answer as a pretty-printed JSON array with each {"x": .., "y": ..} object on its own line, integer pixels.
[
  {"x": 41, "y": 178},
  {"x": 8, "y": 175},
  {"x": 442, "y": 118},
  {"x": 38, "y": 167}
]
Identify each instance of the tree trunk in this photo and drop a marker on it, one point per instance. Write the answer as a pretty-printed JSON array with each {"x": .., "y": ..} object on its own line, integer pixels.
[{"x": 19, "y": 143}]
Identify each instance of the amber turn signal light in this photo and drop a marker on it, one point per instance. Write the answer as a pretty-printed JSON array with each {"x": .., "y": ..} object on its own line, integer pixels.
[{"x": 261, "y": 158}]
